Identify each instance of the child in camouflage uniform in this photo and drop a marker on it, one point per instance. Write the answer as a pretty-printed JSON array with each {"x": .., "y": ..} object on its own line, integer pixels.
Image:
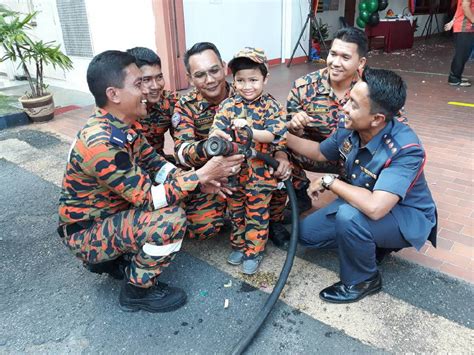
[{"x": 249, "y": 205}]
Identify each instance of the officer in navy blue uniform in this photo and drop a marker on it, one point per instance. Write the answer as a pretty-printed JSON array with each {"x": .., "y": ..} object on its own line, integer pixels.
[{"x": 383, "y": 198}]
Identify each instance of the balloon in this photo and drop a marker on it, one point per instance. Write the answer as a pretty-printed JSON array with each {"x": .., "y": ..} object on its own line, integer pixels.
[
  {"x": 364, "y": 15},
  {"x": 363, "y": 5},
  {"x": 361, "y": 23},
  {"x": 383, "y": 4},
  {"x": 374, "y": 19},
  {"x": 372, "y": 5}
]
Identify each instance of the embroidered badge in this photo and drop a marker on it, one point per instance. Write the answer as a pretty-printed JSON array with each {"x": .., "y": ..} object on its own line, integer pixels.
[
  {"x": 175, "y": 119},
  {"x": 346, "y": 146}
]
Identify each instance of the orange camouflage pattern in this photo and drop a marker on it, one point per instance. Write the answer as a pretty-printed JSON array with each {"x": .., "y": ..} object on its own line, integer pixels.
[
  {"x": 158, "y": 121},
  {"x": 192, "y": 119},
  {"x": 249, "y": 205},
  {"x": 110, "y": 172}
]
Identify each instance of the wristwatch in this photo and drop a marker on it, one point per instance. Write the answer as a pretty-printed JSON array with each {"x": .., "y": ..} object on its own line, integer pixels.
[{"x": 327, "y": 181}]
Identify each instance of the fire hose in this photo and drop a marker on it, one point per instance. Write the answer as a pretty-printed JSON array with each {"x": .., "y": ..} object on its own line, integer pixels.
[{"x": 216, "y": 146}]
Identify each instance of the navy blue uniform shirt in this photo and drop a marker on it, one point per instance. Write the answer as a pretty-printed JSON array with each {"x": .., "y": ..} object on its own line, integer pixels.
[{"x": 391, "y": 161}]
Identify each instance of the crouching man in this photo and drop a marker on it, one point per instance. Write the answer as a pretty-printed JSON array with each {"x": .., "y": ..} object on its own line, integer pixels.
[
  {"x": 120, "y": 197},
  {"x": 383, "y": 197}
]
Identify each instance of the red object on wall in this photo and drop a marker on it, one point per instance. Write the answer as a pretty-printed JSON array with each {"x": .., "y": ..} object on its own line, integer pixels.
[{"x": 411, "y": 5}]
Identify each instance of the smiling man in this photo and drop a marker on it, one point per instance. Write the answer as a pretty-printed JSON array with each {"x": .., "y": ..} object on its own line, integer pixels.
[
  {"x": 160, "y": 102},
  {"x": 119, "y": 197},
  {"x": 383, "y": 197},
  {"x": 312, "y": 106}
]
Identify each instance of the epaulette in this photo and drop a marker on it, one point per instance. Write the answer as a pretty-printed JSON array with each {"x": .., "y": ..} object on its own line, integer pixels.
[
  {"x": 390, "y": 145},
  {"x": 117, "y": 137}
]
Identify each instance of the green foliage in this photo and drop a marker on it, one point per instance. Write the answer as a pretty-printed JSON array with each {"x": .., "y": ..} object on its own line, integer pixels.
[
  {"x": 323, "y": 28},
  {"x": 19, "y": 46}
]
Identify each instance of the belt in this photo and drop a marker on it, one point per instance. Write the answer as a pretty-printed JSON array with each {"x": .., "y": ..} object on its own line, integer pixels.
[{"x": 68, "y": 229}]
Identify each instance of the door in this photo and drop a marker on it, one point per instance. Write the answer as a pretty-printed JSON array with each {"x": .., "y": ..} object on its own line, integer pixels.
[{"x": 349, "y": 12}]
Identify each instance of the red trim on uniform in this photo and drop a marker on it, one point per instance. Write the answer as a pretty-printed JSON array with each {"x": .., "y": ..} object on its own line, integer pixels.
[{"x": 389, "y": 160}]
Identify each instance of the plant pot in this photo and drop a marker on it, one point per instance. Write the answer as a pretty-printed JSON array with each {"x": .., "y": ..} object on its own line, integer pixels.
[{"x": 38, "y": 109}]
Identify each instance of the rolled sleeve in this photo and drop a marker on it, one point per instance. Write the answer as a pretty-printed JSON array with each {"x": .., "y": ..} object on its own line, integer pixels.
[{"x": 402, "y": 172}]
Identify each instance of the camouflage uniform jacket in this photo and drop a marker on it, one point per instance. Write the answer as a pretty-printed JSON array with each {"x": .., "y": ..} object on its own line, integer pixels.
[
  {"x": 192, "y": 120},
  {"x": 313, "y": 94},
  {"x": 158, "y": 121},
  {"x": 112, "y": 168},
  {"x": 264, "y": 113}
]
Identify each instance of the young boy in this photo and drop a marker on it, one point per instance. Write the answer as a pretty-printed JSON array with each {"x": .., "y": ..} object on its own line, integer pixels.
[
  {"x": 160, "y": 103},
  {"x": 249, "y": 205}
]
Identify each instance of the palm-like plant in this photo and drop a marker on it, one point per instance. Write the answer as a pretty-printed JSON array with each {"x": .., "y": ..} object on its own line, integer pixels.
[{"x": 19, "y": 46}]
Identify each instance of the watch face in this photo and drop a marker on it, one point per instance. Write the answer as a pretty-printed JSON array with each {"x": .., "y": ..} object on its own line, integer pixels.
[{"x": 327, "y": 179}]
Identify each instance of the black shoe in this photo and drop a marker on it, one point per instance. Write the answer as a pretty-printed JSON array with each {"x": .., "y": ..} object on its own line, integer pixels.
[
  {"x": 158, "y": 298},
  {"x": 382, "y": 253},
  {"x": 340, "y": 293},
  {"x": 278, "y": 234},
  {"x": 115, "y": 268}
]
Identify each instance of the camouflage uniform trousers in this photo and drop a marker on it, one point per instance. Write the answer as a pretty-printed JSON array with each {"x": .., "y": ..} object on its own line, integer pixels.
[
  {"x": 300, "y": 181},
  {"x": 128, "y": 232},
  {"x": 205, "y": 213}
]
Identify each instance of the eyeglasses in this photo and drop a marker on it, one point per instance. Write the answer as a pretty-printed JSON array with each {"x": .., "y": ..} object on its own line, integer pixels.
[{"x": 202, "y": 75}]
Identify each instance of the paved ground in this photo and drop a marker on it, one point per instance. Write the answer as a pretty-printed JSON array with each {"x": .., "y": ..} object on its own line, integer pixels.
[{"x": 50, "y": 304}]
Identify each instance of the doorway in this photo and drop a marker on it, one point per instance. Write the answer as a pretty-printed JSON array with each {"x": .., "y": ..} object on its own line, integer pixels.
[{"x": 349, "y": 12}]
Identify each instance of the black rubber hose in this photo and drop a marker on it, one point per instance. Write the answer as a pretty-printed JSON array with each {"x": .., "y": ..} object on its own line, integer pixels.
[{"x": 246, "y": 340}]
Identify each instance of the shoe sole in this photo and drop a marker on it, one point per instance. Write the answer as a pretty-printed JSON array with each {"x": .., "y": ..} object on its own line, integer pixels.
[
  {"x": 143, "y": 307},
  {"x": 356, "y": 300},
  {"x": 463, "y": 84},
  {"x": 234, "y": 263}
]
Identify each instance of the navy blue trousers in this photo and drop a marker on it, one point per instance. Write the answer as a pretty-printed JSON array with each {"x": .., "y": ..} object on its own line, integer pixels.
[{"x": 341, "y": 226}]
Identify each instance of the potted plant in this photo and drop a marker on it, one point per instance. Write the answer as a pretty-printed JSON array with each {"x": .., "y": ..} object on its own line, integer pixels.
[{"x": 19, "y": 46}]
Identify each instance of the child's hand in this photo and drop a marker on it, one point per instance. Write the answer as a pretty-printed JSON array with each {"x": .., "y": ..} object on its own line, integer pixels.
[
  {"x": 239, "y": 123},
  {"x": 221, "y": 134}
]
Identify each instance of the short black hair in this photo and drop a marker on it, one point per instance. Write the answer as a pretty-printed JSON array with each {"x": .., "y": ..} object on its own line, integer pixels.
[
  {"x": 243, "y": 63},
  {"x": 387, "y": 91},
  {"x": 144, "y": 56},
  {"x": 354, "y": 35},
  {"x": 199, "y": 48},
  {"x": 107, "y": 69}
]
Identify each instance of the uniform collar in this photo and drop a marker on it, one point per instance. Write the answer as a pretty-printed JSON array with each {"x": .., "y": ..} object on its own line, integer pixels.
[
  {"x": 131, "y": 133},
  {"x": 325, "y": 88},
  {"x": 376, "y": 141},
  {"x": 202, "y": 103},
  {"x": 238, "y": 99}
]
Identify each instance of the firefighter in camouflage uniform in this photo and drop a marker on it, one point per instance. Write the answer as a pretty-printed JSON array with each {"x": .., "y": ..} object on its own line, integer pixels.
[
  {"x": 160, "y": 102},
  {"x": 120, "y": 197},
  {"x": 192, "y": 119}
]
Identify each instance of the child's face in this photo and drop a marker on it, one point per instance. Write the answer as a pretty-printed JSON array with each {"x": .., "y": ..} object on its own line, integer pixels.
[{"x": 249, "y": 83}]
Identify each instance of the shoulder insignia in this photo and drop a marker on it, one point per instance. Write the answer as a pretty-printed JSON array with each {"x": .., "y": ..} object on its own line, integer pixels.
[
  {"x": 390, "y": 144},
  {"x": 117, "y": 137},
  {"x": 175, "y": 119}
]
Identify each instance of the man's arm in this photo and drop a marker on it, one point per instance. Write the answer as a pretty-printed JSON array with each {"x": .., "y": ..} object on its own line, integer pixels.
[
  {"x": 466, "y": 8},
  {"x": 305, "y": 147},
  {"x": 189, "y": 150}
]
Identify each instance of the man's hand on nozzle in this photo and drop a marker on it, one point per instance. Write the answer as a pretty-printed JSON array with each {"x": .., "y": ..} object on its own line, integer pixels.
[
  {"x": 298, "y": 122},
  {"x": 219, "y": 167}
]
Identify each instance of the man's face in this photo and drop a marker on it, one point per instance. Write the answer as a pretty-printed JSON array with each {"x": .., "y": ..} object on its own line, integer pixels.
[
  {"x": 343, "y": 61},
  {"x": 357, "y": 109},
  {"x": 207, "y": 74},
  {"x": 132, "y": 97},
  {"x": 153, "y": 82},
  {"x": 249, "y": 83}
]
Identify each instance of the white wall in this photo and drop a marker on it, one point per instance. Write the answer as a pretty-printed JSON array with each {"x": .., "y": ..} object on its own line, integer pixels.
[
  {"x": 234, "y": 24},
  {"x": 297, "y": 11}
]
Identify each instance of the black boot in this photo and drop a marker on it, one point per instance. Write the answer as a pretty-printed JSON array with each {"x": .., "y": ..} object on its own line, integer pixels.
[
  {"x": 278, "y": 234},
  {"x": 158, "y": 298},
  {"x": 115, "y": 268}
]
